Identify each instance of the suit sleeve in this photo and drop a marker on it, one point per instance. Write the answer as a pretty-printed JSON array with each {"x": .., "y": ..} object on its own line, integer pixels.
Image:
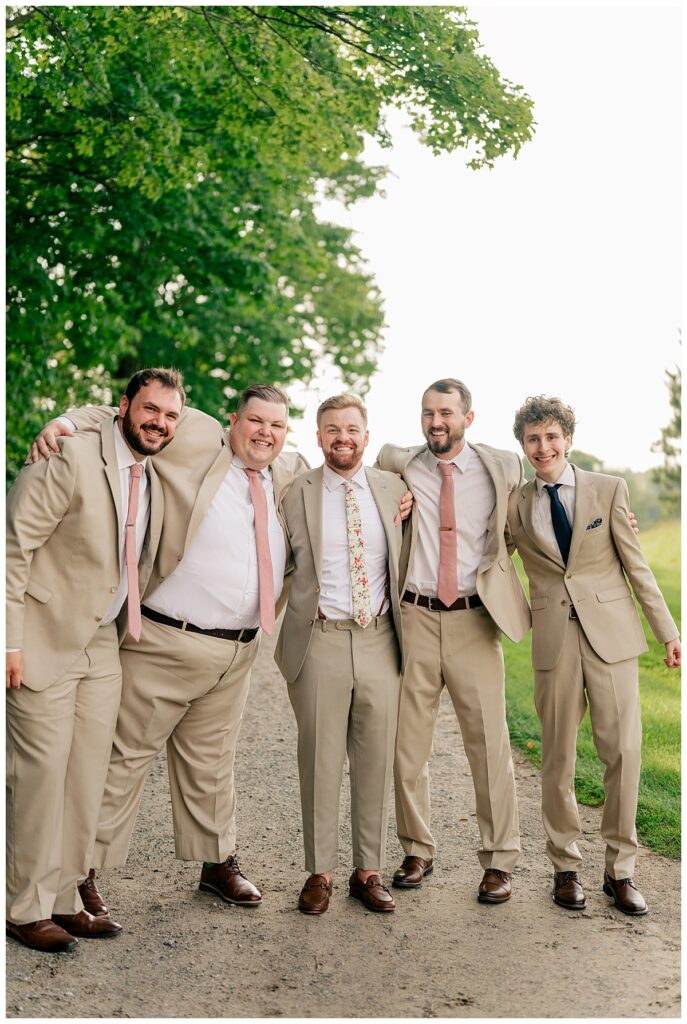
[
  {"x": 89, "y": 417},
  {"x": 637, "y": 569},
  {"x": 36, "y": 504}
]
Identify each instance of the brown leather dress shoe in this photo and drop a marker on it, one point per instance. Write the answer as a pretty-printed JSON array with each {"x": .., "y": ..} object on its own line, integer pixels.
[
  {"x": 314, "y": 897},
  {"x": 411, "y": 872},
  {"x": 226, "y": 880},
  {"x": 45, "y": 936},
  {"x": 91, "y": 898},
  {"x": 495, "y": 886},
  {"x": 372, "y": 893},
  {"x": 625, "y": 895},
  {"x": 86, "y": 926},
  {"x": 568, "y": 891}
]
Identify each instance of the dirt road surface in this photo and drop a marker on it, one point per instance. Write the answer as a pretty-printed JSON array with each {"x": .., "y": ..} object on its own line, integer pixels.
[{"x": 441, "y": 954}]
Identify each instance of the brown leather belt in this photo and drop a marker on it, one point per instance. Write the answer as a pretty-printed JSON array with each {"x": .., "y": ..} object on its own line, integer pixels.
[
  {"x": 244, "y": 636},
  {"x": 435, "y": 605}
]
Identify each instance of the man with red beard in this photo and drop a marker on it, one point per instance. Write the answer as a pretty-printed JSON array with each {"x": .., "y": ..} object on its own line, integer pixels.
[
  {"x": 80, "y": 550},
  {"x": 339, "y": 650}
]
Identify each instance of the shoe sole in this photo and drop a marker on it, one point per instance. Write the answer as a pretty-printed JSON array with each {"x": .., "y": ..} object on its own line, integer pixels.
[
  {"x": 569, "y": 906},
  {"x": 204, "y": 887},
  {"x": 481, "y": 898},
  {"x": 69, "y": 948},
  {"x": 313, "y": 913},
  {"x": 630, "y": 913},
  {"x": 400, "y": 884}
]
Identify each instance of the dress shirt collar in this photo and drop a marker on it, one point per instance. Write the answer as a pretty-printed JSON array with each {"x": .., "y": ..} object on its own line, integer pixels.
[
  {"x": 333, "y": 480},
  {"x": 240, "y": 464},
  {"x": 460, "y": 461},
  {"x": 567, "y": 477},
  {"x": 124, "y": 455}
]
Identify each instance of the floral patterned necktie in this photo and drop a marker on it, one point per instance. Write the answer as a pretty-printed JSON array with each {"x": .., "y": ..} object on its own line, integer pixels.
[{"x": 360, "y": 583}]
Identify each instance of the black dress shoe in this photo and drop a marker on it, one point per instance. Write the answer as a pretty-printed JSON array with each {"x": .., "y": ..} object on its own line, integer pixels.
[
  {"x": 227, "y": 881},
  {"x": 411, "y": 872},
  {"x": 625, "y": 895},
  {"x": 568, "y": 891},
  {"x": 45, "y": 936},
  {"x": 495, "y": 886}
]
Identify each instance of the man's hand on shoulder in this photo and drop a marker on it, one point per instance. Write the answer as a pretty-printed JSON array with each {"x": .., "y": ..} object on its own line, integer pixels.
[
  {"x": 406, "y": 504},
  {"x": 15, "y": 670},
  {"x": 46, "y": 442}
]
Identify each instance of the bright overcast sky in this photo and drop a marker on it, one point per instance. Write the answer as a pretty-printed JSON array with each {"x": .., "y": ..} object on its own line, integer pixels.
[{"x": 557, "y": 273}]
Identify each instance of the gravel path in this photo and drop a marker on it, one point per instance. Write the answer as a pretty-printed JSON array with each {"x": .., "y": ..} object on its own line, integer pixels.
[{"x": 442, "y": 954}]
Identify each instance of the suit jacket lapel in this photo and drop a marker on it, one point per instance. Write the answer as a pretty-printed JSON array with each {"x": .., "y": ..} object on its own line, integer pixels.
[
  {"x": 584, "y": 500},
  {"x": 109, "y": 454},
  {"x": 386, "y": 507},
  {"x": 312, "y": 502},
  {"x": 208, "y": 489},
  {"x": 497, "y": 520},
  {"x": 152, "y": 539}
]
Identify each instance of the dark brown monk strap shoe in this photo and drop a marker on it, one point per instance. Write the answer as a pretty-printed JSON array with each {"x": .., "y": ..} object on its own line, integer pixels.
[
  {"x": 86, "y": 926},
  {"x": 568, "y": 891},
  {"x": 91, "y": 898},
  {"x": 314, "y": 897},
  {"x": 411, "y": 872},
  {"x": 227, "y": 881},
  {"x": 373, "y": 894},
  {"x": 495, "y": 886},
  {"x": 45, "y": 936},
  {"x": 625, "y": 895}
]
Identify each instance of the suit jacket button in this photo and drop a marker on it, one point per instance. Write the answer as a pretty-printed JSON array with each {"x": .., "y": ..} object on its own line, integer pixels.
[
  {"x": 311, "y": 622},
  {"x": 113, "y": 590},
  {"x": 317, "y": 590},
  {"x": 98, "y": 618},
  {"x": 564, "y": 602}
]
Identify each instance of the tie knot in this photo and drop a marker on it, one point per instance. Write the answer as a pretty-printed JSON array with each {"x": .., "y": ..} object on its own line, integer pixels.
[
  {"x": 251, "y": 472},
  {"x": 552, "y": 489},
  {"x": 136, "y": 470},
  {"x": 445, "y": 468}
]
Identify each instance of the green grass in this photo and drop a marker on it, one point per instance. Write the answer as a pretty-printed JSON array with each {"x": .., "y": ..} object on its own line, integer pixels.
[{"x": 658, "y": 813}]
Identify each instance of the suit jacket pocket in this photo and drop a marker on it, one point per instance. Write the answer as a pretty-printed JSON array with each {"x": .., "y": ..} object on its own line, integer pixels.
[
  {"x": 537, "y": 603},
  {"x": 613, "y": 593},
  {"x": 38, "y": 591}
]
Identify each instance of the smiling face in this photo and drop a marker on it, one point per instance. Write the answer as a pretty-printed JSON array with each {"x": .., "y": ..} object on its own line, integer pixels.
[
  {"x": 546, "y": 447},
  {"x": 257, "y": 435},
  {"x": 149, "y": 420},
  {"x": 444, "y": 422},
  {"x": 343, "y": 438}
]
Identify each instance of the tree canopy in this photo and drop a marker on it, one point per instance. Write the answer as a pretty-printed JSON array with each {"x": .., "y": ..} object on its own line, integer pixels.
[
  {"x": 669, "y": 475},
  {"x": 164, "y": 169}
]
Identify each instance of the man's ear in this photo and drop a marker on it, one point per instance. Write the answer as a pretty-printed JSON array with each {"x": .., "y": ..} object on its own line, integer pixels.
[
  {"x": 123, "y": 406},
  {"x": 232, "y": 418}
]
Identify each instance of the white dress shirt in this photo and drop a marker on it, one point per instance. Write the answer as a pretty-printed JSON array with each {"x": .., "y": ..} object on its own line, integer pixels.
[
  {"x": 125, "y": 460},
  {"x": 215, "y": 585},
  {"x": 336, "y": 597},
  {"x": 475, "y": 500},
  {"x": 543, "y": 524}
]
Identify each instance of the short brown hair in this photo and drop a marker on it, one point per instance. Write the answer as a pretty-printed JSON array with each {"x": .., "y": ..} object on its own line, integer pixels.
[
  {"x": 447, "y": 385},
  {"x": 544, "y": 409},
  {"x": 345, "y": 401},
  {"x": 266, "y": 393},
  {"x": 168, "y": 378}
]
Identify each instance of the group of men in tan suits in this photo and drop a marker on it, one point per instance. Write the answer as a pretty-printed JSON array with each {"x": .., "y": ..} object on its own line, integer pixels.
[{"x": 367, "y": 597}]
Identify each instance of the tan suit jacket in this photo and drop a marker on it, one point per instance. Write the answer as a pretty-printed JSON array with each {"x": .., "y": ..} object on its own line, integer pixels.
[
  {"x": 63, "y": 523},
  {"x": 603, "y": 551},
  {"x": 191, "y": 469},
  {"x": 497, "y": 581},
  {"x": 303, "y": 511}
]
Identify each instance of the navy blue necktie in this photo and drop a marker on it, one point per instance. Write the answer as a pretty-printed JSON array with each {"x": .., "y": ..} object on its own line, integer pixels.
[{"x": 561, "y": 526}]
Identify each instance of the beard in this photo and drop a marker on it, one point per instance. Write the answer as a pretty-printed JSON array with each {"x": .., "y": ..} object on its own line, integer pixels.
[
  {"x": 440, "y": 444},
  {"x": 134, "y": 437},
  {"x": 344, "y": 458}
]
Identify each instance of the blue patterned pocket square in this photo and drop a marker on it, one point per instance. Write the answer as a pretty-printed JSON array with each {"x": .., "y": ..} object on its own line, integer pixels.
[{"x": 593, "y": 526}]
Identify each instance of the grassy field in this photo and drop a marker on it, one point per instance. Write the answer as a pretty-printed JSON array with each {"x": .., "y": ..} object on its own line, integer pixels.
[{"x": 658, "y": 814}]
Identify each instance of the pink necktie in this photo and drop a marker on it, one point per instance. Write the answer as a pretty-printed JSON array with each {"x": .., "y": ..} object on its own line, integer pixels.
[
  {"x": 133, "y": 597},
  {"x": 447, "y": 591},
  {"x": 262, "y": 542}
]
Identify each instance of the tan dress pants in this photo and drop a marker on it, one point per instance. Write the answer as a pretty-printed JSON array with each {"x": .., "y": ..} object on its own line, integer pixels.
[
  {"x": 462, "y": 651},
  {"x": 345, "y": 699},
  {"x": 561, "y": 696},
  {"x": 187, "y": 690},
  {"x": 58, "y": 749}
]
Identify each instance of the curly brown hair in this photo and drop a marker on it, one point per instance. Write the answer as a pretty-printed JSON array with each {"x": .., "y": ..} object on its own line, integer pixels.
[{"x": 543, "y": 409}]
